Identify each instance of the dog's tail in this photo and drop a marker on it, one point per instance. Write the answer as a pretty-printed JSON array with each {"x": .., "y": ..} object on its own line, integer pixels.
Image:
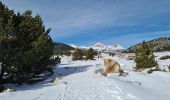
[{"x": 121, "y": 71}]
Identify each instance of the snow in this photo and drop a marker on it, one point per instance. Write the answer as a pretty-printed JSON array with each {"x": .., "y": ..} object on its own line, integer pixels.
[
  {"x": 72, "y": 45},
  {"x": 77, "y": 80}
]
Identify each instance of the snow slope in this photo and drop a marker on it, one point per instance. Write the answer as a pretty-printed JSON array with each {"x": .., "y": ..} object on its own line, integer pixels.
[{"x": 76, "y": 80}]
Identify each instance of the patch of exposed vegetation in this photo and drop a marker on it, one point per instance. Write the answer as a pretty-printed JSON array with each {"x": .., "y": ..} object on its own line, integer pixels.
[
  {"x": 165, "y": 57},
  {"x": 155, "y": 69}
]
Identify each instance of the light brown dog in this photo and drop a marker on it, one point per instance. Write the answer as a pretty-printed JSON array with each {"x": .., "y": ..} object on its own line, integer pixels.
[{"x": 110, "y": 66}]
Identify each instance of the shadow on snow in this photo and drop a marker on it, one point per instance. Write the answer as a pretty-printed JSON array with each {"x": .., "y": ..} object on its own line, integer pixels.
[{"x": 60, "y": 71}]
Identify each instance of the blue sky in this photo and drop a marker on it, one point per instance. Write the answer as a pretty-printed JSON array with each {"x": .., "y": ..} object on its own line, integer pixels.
[{"x": 84, "y": 22}]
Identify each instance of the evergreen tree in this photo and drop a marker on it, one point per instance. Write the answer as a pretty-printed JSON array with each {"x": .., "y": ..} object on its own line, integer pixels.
[
  {"x": 111, "y": 54},
  {"x": 2, "y": 88},
  {"x": 77, "y": 55},
  {"x": 5, "y": 35},
  {"x": 25, "y": 45},
  {"x": 90, "y": 53},
  {"x": 144, "y": 57}
]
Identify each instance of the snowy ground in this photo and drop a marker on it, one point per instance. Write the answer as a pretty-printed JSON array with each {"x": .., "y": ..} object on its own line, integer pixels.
[{"x": 76, "y": 80}]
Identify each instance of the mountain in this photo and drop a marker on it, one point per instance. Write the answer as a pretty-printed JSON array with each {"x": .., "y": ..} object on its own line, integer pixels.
[
  {"x": 102, "y": 47},
  {"x": 107, "y": 48},
  {"x": 158, "y": 45},
  {"x": 63, "y": 47}
]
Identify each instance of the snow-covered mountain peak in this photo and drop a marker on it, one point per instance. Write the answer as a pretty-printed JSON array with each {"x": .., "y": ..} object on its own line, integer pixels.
[
  {"x": 101, "y": 47},
  {"x": 98, "y": 44}
]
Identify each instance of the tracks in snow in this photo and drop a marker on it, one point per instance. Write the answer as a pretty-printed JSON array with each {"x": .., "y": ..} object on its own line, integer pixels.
[{"x": 89, "y": 86}]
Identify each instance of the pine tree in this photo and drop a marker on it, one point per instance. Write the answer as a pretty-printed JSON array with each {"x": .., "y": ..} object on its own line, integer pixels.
[
  {"x": 25, "y": 45},
  {"x": 77, "y": 55},
  {"x": 111, "y": 54},
  {"x": 2, "y": 88},
  {"x": 89, "y": 54},
  {"x": 144, "y": 57},
  {"x": 5, "y": 35}
]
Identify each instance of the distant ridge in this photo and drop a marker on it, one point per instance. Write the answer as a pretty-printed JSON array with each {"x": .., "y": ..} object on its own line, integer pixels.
[
  {"x": 63, "y": 47},
  {"x": 158, "y": 45}
]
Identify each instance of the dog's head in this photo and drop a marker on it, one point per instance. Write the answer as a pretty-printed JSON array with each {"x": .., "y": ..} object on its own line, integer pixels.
[{"x": 107, "y": 61}]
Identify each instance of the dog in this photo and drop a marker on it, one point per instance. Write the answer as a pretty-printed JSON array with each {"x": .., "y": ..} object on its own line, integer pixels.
[{"x": 111, "y": 66}]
